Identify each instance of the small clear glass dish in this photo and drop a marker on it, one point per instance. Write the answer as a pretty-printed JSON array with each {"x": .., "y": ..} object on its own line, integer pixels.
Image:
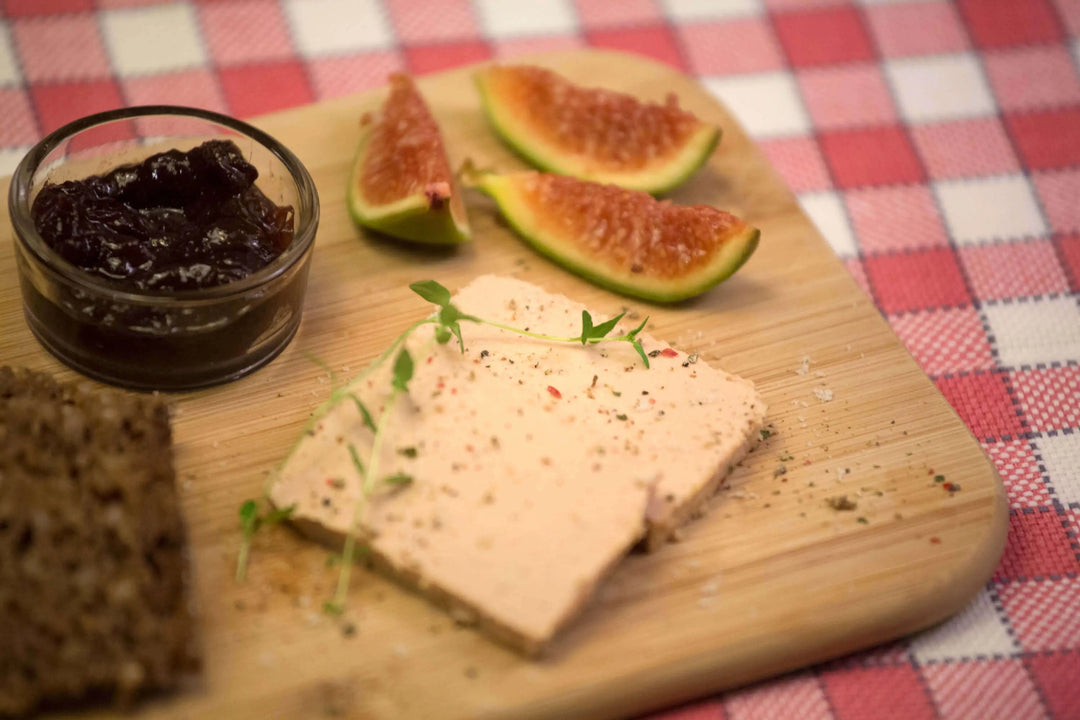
[{"x": 160, "y": 340}]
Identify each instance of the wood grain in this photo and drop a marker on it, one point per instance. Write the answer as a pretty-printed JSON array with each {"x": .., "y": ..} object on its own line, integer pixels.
[{"x": 772, "y": 579}]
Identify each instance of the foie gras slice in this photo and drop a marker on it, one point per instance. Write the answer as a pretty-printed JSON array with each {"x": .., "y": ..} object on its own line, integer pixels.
[{"x": 535, "y": 465}]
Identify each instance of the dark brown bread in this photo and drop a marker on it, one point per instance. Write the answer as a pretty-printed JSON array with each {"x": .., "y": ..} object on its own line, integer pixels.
[{"x": 92, "y": 547}]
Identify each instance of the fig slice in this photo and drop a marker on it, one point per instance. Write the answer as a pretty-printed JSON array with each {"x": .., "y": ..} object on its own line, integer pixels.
[
  {"x": 593, "y": 133},
  {"x": 401, "y": 184},
  {"x": 624, "y": 240}
]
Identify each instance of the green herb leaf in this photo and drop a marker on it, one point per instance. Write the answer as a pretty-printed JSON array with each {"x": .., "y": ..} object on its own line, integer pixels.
[
  {"x": 356, "y": 460},
  {"x": 431, "y": 291},
  {"x": 602, "y": 330},
  {"x": 369, "y": 422},
  {"x": 409, "y": 452},
  {"x": 633, "y": 333},
  {"x": 249, "y": 517},
  {"x": 641, "y": 352},
  {"x": 399, "y": 478},
  {"x": 403, "y": 371},
  {"x": 456, "y": 329},
  {"x": 332, "y": 608},
  {"x": 442, "y": 335},
  {"x": 586, "y": 326}
]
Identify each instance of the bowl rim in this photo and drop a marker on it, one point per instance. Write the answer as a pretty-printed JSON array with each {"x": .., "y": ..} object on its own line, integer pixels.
[{"x": 27, "y": 236}]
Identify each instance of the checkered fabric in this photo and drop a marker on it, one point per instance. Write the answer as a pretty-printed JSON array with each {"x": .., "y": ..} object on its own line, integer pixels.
[{"x": 935, "y": 144}]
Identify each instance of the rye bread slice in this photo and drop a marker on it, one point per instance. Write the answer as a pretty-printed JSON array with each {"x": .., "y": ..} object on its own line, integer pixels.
[
  {"x": 536, "y": 466},
  {"x": 92, "y": 547}
]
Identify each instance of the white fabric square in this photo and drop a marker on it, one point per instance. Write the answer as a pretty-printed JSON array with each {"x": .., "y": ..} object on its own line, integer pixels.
[
  {"x": 975, "y": 630},
  {"x": 153, "y": 39},
  {"x": 990, "y": 208},
  {"x": 9, "y": 71},
  {"x": 766, "y": 104},
  {"x": 1036, "y": 331},
  {"x": 1061, "y": 458},
  {"x": 683, "y": 10},
  {"x": 10, "y": 158},
  {"x": 942, "y": 87},
  {"x": 827, "y": 213},
  {"x": 328, "y": 27},
  {"x": 504, "y": 19}
]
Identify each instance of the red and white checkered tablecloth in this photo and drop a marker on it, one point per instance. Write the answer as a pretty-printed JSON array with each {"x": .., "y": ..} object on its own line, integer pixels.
[{"x": 935, "y": 144}]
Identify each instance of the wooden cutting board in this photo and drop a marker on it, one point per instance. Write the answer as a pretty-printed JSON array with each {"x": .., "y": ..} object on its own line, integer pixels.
[{"x": 772, "y": 579}]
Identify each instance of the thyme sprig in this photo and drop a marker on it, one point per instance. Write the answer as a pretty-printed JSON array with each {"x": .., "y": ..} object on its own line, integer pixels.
[
  {"x": 449, "y": 319},
  {"x": 251, "y": 520}
]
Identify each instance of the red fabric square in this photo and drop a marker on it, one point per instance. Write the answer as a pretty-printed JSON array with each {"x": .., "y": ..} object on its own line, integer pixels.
[
  {"x": 1047, "y": 139},
  {"x": 244, "y": 31},
  {"x": 1044, "y": 615},
  {"x": 1033, "y": 77},
  {"x": 882, "y": 693},
  {"x": 793, "y": 696},
  {"x": 598, "y": 13},
  {"x": 334, "y": 77},
  {"x": 60, "y": 103},
  {"x": 257, "y": 89},
  {"x": 423, "y": 21},
  {"x": 917, "y": 280},
  {"x": 823, "y": 36},
  {"x": 422, "y": 59},
  {"x": 1070, "y": 251},
  {"x": 1000, "y": 23},
  {"x": 945, "y": 341},
  {"x": 1058, "y": 193},
  {"x": 21, "y": 8},
  {"x": 1058, "y": 676},
  {"x": 739, "y": 45},
  {"x": 1010, "y": 270},
  {"x": 655, "y": 41},
  {"x": 194, "y": 88},
  {"x": 799, "y": 162},
  {"x": 19, "y": 126},
  {"x": 967, "y": 148},
  {"x": 993, "y": 688},
  {"x": 65, "y": 47},
  {"x": 871, "y": 156},
  {"x": 895, "y": 218},
  {"x": 983, "y": 403},
  {"x": 847, "y": 96},
  {"x": 919, "y": 28},
  {"x": 1049, "y": 397},
  {"x": 1015, "y": 462},
  {"x": 1037, "y": 547}
]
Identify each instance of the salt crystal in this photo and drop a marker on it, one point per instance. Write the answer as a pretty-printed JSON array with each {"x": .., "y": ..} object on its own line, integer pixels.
[{"x": 823, "y": 394}]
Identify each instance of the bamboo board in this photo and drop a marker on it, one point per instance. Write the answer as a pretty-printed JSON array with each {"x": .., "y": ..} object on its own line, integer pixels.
[{"x": 772, "y": 579}]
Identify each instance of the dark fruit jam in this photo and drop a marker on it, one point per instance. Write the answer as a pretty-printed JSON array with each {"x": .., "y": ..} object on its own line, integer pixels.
[
  {"x": 176, "y": 221},
  {"x": 179, "y": 221}
]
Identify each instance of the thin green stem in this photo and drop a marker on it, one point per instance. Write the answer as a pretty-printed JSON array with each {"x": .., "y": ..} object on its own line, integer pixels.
[
  {"x": 367, "y": 487},
  {"x": 541, "y": 336},
  {"x": 242, "y": 558}
]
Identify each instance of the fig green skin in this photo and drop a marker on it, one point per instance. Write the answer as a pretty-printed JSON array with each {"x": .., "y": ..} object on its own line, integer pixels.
[
  {"x": 734, "y": 252},
  {"x": 655, "y": 180},
  {"x": 411, "y": 218}
]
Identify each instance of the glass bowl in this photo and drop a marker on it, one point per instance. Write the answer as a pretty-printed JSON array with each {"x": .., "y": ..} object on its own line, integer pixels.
[{"x": 160, "y": 339}]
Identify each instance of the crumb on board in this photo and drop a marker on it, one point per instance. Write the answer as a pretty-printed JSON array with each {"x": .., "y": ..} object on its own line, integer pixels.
[{"x": 841, "y": 502}]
